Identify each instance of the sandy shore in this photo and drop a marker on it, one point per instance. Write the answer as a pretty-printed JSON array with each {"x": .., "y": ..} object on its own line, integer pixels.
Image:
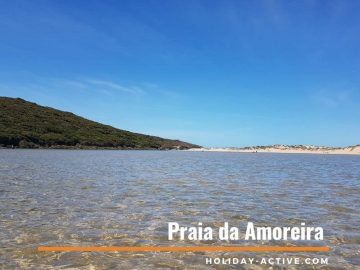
[{"x": 351, "y": 150}]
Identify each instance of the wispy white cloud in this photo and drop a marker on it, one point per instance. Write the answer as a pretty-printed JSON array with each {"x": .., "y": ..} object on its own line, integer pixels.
[
  {"x": 110, "y": 85},
  {"x": 90, "y": 85}
]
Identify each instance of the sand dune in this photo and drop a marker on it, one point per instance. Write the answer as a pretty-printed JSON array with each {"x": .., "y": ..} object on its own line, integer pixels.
[{"x": 290, "y": 149}]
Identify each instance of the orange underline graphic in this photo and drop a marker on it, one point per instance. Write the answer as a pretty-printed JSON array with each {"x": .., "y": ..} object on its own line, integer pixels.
[{"x": 186, "y": 248}]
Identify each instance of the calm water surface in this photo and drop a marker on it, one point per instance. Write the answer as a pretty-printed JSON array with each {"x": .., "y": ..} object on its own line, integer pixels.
[{"x": 64, "y": 197}]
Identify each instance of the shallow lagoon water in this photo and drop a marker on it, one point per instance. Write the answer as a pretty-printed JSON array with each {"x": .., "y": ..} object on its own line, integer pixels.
[{"x": 75, "y": 197}]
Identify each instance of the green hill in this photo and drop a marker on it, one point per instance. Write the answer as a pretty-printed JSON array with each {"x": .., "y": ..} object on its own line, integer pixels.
[{"x": 27, "y": 125}]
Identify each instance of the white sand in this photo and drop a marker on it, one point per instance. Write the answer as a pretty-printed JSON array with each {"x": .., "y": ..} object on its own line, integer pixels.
[{"x": 351, "y": 150}]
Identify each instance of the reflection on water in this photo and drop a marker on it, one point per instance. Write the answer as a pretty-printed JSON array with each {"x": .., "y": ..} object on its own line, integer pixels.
[{"x": 56, "y": 197}]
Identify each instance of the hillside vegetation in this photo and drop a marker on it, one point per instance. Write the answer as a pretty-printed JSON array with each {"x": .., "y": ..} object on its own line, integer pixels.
[{"x": 27, "y": 125}]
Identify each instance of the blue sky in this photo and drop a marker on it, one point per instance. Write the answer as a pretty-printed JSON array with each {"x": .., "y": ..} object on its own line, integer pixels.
[{"x": 215, "y": 73}]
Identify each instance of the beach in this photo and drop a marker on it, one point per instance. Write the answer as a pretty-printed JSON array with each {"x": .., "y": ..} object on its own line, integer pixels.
[{"x": 283, "y": 149}]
